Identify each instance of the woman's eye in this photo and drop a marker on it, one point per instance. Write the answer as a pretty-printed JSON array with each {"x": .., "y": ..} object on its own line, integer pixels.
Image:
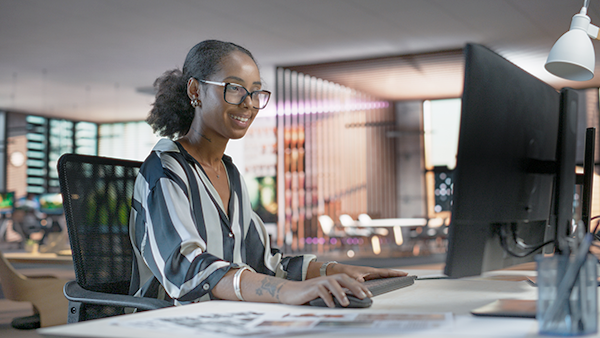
[{"x": 234, "y": 89}]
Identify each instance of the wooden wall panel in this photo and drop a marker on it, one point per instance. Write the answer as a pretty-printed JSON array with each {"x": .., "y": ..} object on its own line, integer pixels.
[{"x": 334, "y": 158}]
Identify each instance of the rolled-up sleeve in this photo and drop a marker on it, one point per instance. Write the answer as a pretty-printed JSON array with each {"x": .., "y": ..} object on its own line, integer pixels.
[{"x": 289, "y": 267}]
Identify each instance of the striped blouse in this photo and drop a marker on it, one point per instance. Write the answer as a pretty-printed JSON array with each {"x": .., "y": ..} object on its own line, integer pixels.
[{"x": 184, "y": 242}]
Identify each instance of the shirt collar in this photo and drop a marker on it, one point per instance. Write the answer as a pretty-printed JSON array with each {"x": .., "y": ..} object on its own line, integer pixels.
[{"x": 167, "y": 145}]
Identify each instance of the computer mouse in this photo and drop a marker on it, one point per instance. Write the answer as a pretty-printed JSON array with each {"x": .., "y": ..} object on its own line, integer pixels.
[{"x": 355, "y": 302}]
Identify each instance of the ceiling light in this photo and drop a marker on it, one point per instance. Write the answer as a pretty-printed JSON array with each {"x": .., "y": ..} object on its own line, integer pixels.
[{"x": 572, "y": 56}]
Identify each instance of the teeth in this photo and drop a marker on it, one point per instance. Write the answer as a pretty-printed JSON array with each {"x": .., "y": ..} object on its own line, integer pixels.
[{"x": 239, "y": 118}]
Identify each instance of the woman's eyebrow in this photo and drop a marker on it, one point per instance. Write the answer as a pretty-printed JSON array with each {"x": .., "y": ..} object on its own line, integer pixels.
[{"x": 235, "y": 78}]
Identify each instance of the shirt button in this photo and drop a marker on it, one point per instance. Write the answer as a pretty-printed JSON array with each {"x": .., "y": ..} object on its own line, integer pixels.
[
  {"x": 206, "y": 286},
  {"x": 231, "y": 234}
]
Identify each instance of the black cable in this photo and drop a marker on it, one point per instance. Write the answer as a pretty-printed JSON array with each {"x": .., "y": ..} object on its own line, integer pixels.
[
  {"x": 507, "y": 249},
  {"x": 519, "y": 242}
]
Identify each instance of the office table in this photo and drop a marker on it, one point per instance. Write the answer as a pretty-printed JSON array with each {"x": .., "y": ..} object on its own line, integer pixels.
[
  {"x": 393, "y": 222},
  {"x": 432, "y": 296},
  {"x": 38, "y": 258}
]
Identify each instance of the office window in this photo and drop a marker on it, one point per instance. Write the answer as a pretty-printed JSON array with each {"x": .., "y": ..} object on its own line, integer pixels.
[
  {"x": 47, "y": 140},
  {"x": 37, "y": 156},
  {"x": 86, "y": 141},
  {"x": 60, "y": 137},
  {"x": 130, "y": 140},
  {"x": 441, "y": 122},
  {"x": 441, "y": 119}
]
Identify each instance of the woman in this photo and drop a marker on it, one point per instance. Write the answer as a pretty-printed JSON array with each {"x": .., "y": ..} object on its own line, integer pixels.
[{"x": 192, "y": 227}]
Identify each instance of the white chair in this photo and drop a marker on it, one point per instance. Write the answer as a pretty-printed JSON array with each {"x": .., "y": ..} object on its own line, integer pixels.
[
  {"x": 364, "y": 220},
  {"x": 328, "y": 226},
  {"x": 351, "y": 227},
  {"x": 359, "y": 229},
  {"x": 347, "y": 221}
]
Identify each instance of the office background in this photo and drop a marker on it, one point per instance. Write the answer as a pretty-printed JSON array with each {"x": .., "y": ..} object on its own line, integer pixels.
[{"x": 360, "y": 102}]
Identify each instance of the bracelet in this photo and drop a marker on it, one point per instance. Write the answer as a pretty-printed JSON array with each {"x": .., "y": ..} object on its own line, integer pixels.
[
  {"x": 323, "y": 269},
  {"x": 236, "y": 282}
]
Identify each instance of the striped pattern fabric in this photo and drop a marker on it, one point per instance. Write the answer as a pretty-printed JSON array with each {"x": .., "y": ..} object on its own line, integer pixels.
[{"x": 184, "y": 242}]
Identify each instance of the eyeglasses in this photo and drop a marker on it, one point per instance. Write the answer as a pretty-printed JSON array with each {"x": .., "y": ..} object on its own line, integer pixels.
[{"x": 235, "y": 94}]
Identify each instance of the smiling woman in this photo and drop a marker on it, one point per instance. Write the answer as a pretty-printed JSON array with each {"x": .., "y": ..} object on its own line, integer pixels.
[{"x": 192, "y": 227}]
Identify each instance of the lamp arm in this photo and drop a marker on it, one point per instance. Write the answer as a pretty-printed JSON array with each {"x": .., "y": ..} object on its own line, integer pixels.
[{"x": 593, "y": 32}]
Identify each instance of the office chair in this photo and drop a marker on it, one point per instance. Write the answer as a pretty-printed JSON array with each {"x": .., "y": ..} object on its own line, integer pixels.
[
  {"x": 352, "y": 227},
  {"x": 328, "y": 227},
  {"x": 43, "y": 292},
  {"x": 97, "y": 194}
]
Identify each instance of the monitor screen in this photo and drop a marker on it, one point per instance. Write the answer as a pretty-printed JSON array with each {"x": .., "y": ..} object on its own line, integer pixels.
[
  {"x": 7, "y": 202},
  {"x": 506, "y": 166},
  {"x": 51, "y": 203}
]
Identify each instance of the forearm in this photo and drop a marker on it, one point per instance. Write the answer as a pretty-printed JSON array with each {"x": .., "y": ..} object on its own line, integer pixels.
[
  {"x": 257, "y": 287},
  {"x": 254, "y": 287}
]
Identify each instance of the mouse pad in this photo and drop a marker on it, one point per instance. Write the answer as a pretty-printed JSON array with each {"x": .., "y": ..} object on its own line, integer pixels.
[{"x": 508, "y": 308}]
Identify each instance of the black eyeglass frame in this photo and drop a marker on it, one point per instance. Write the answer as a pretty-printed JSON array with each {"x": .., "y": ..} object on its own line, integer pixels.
[{"x": 251, "y": 94}]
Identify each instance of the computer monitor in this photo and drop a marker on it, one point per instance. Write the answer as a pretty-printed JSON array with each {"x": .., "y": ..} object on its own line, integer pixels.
[
  {"x": 51, "y": 203},
  {"x": 7, "y": 202},
  {"x": 515, "y": 168}
]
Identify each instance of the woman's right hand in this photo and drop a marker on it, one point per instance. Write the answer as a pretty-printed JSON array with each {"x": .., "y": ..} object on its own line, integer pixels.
[
  {"x": 327, "y": 287},
  {"x": 257, "y": 287}
]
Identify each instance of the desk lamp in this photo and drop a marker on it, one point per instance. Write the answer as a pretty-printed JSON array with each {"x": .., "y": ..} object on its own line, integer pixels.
[{"x": 572, "y": 56}]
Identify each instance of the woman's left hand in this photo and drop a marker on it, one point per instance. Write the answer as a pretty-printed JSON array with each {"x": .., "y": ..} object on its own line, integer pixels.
[{"x": 363, "y": 273}]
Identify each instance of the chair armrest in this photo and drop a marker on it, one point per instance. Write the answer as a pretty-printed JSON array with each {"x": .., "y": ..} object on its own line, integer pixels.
[
  {"x": 75, "y": 293},
  {"x": 42, "y": 277}
]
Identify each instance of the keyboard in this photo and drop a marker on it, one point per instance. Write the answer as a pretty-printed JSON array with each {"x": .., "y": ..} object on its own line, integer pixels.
[
  {"x": 384, "y": 285},
  {"x": 376, "y": 286}
]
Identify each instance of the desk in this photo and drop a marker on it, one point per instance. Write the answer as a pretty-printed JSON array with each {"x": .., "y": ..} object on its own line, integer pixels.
[
  {"x": 38, "y": 258},
  {"x": 425, "y": 296},
  {"x": 393, "y": 222}
]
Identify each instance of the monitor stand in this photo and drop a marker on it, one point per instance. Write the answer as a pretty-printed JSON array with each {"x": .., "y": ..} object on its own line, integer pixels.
[{"x": 527, "y": 308}]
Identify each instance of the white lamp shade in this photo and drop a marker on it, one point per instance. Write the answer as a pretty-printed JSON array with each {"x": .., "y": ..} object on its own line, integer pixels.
[{"x": 572, "y": 56}]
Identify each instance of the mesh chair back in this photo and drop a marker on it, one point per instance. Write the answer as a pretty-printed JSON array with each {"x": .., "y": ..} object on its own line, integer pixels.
[{"x": 97, "y": 194}]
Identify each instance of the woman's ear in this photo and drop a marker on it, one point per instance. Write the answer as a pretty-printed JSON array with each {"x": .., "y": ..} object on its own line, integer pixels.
[{"x": 193, "y": 88}]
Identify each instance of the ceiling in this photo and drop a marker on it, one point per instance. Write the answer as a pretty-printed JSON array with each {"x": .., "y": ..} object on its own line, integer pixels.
[{"x": 91, "y": 60}]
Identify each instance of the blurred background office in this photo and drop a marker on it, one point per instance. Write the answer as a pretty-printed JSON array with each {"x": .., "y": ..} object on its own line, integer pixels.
[{"x": 353, "y": 155}]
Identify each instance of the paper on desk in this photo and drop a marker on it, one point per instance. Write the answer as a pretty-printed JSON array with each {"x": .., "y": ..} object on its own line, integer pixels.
[{"x": 277, "y": 323}]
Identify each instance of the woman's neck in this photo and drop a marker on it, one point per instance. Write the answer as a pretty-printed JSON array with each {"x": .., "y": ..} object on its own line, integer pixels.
[{"x": 205, "y": 149}]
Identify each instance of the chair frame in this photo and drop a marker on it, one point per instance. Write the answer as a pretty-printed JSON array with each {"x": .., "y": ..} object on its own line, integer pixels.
[{"x": 76, "y": 291}]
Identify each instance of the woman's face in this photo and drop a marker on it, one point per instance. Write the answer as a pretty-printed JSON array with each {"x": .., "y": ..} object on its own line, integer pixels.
[{"x": 219, "y": 118}]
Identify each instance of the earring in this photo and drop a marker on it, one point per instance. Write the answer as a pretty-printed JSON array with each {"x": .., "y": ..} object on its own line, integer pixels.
[{"x": 195, "y": 103}]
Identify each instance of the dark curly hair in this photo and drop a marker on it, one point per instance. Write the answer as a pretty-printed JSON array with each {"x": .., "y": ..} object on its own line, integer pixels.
[{"x": 172, "y": 114}]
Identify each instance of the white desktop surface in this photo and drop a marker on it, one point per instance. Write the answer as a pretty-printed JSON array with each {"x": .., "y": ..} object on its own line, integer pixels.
[
  {"x": 458, "y": 296},
  {"x": 392, "y": 222}
]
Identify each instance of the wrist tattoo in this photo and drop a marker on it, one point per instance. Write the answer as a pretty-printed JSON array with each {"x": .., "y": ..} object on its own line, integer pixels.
[{"x": 271, "y": 286}]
